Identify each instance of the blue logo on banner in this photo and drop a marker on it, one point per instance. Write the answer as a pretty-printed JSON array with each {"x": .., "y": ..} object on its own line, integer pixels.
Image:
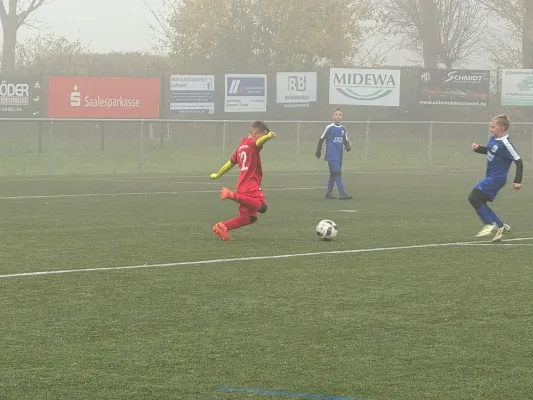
[{"x": 246, "y": 86}]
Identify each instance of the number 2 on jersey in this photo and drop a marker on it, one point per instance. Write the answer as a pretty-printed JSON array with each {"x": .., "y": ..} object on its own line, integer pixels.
[{"x": 244, "y": 158}]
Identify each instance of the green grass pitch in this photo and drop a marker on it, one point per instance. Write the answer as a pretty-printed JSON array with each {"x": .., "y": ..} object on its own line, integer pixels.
[
  {"x": 451, "y": 322},
  {"x": 419, "y": 314}
]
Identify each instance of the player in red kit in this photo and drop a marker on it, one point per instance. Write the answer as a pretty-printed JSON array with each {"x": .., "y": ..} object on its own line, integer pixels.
[{"x": 249, "y": 194}]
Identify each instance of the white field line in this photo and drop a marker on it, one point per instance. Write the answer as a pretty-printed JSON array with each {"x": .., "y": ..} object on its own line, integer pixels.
[
  {"x": 59, "y": 196},
  {"x": 296, "y": 173},
  {"x": 159, "y": 178},
  {"x": 235, "y": 260},
  {"x": 118, "y": 180},
  {"x": 212, "y": 183},
  {"x": 498, "y": 244}
]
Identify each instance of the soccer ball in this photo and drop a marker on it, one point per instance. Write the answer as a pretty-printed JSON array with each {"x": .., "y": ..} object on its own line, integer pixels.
[{"x": 326, "y": 229}]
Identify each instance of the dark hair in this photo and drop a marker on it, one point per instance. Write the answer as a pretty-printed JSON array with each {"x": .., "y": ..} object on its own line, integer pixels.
[
  {"x": 502, "y": 120},
  {"x": 260, "y": 126},
  {"x": 337, "y": 109}
]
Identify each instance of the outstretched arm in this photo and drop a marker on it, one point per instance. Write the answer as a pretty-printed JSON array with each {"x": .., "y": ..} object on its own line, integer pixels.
[
  {"x": 479, "y": 149},
  {"x": 263, "y": 139},
  {"x": 225, "y": 168}
]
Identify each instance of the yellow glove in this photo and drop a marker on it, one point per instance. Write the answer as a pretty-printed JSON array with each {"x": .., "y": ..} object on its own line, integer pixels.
[
  {"x": 263, "y": 139},
  {"x": 225, "y": 168}
]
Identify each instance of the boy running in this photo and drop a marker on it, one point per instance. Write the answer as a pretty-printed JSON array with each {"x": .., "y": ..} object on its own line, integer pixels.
[
  {"x": 500, "y": 153},
  {"x": 336, "y": 142},
  {"x": 249, "y": 194}
]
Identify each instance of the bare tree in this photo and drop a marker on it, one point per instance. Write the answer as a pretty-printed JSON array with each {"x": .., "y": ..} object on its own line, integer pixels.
[
  {"x": 518, "y": 17},
  {"x": 504, "y": 46},
  {"x": 527, "y": 35},
  {"x": 162, "y": 32},
  {"x": 442, "y": 31},
  {"x": 428, "y": 23},
  {"x": 14, "y": 14}
]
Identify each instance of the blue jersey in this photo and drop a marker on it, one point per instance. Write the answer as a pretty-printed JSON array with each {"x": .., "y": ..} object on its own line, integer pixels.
[
  {"x": 335, "y": 137},
  {"x": 500, "y": 154}
]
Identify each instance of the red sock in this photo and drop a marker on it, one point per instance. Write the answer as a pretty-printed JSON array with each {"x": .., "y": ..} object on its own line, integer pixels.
[
  {"x": 248, "y": 201},
  {"x": 237, "y": 222}
]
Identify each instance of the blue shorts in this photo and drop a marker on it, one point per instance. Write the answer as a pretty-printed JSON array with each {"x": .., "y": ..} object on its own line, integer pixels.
[
  {"x": 490, "y": 186},
  {"x": 335, "y": 166}
]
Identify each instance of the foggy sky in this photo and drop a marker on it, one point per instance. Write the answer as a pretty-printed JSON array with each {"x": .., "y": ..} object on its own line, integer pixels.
[
  {"x": 103, "y": 25},
  {"x": 123, "y": 25}
]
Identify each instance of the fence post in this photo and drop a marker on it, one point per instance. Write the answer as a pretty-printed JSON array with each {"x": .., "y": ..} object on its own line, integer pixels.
[
  {"x": 141, "y": 151},
  {"x": 531, "y": 155},
  {"x": 430, "y": 145},
  {"x": 102, "y": 136},
  {"x": 367, "y": 139},
  {"x": 162, "y": 135},
  {"x": 298, "y": 135},
  {"x": 50, "y": 137},
  {"x": 39, "y": 137},
  {"x": 224, "y": 132}
]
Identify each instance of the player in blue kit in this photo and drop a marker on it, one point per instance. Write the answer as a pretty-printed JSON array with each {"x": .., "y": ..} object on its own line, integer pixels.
[
  {"x": 500, "y": 154},
  {"x": 336, "y": 142}
]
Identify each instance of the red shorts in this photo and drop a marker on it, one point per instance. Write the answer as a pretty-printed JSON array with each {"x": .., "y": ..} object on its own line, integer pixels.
[{"x": 250, "y": 212}]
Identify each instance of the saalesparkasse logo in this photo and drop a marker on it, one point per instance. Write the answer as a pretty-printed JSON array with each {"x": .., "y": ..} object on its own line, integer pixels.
[
  {"x": 103, "y": 97},
  {"x": 75, "y": 97},
  {"x": 97, "y": 101}
]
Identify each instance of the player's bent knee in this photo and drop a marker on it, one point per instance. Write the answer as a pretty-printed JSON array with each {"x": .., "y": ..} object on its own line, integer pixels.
[
  {"x": 262, "y": 209},
  {"x": 473, "y": 200},
  {"x": 477, "y": 199},
  {"x": 253, "y": 219}
]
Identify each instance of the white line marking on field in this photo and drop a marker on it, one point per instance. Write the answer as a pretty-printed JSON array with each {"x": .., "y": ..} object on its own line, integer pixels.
[
  {"x": 192, "y": 183},
  {"x": 269, "y": 190},
  {"x": 234, "y": 260},
  {"x": 348, "y": 211},
  {"x": 59, "y": 196},
  {"x": 219, "y": 184},
  {"x": 125, "y": 180},
  {"x": 176, "y": 182},
  {"x": 498, "y": 244},
  {"x": 162, "y": 177}
]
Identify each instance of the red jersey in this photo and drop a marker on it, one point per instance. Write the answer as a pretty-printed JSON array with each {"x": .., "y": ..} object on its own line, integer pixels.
[{"x": 248, "y": 159}]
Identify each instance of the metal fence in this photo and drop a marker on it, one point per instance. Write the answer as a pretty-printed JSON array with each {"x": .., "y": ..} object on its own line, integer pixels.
[{"x": 433, "y": 143}]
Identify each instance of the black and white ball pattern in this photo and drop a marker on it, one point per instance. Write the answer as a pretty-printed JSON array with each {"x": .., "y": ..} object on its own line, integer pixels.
[{"x": 326, "y": 229}]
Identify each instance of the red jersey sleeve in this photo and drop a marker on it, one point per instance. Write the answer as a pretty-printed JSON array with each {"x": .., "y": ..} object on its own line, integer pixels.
[{"x": 235, "y": 157}]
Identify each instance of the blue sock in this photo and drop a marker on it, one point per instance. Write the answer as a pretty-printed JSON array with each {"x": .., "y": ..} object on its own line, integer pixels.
[
  {"x": 331, "y": 182},
  {"x": 495, "y": 219},
  {"x": 488, "y": 216},
  {"x": 340, "y": 185}
]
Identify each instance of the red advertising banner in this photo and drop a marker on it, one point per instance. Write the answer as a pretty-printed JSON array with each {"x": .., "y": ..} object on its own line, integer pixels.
[{"x": 102, "y": 97}]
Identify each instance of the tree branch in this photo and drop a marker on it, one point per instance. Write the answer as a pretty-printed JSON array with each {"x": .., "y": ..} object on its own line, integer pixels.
[
  {"x": 34, "y": 5},
  {"x": 3, "y": 12},
  {"x": 461, "y": 26}
]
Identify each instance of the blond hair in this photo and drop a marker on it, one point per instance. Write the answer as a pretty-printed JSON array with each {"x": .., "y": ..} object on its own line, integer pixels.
[{"x": 501, "y": 120}]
